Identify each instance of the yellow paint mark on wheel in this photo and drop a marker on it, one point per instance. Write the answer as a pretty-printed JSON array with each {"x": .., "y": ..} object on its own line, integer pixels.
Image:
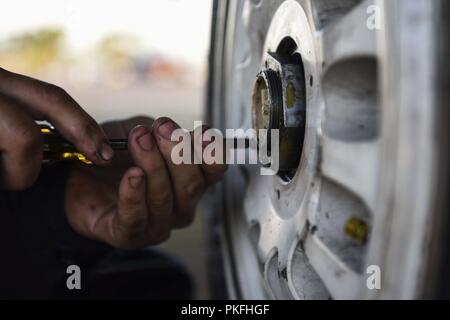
[
  {"x": 357, "y": 229},
  {"x": 290, "y": 95}
]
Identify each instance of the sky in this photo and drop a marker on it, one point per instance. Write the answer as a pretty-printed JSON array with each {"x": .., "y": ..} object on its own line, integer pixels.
[{"x": 180, "y": 28}]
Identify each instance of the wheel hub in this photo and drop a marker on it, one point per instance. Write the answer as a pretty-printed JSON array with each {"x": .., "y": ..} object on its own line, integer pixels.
[{"x": 279, "y": 103}]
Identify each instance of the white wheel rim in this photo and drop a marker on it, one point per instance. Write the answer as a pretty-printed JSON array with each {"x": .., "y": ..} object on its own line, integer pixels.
[{"x": 298, "y": 254}]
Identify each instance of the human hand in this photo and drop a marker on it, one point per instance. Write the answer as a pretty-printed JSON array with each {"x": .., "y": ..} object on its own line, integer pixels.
[
  {"x": 23, "y": 100},
  {"x": 142, "y": 196}
]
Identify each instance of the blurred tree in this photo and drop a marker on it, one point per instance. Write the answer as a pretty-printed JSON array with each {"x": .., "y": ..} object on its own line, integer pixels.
[
  {"x": 118, "y": 48},
  {"x": 117, "y": 56},
  {"x": 34, "y": 51}
]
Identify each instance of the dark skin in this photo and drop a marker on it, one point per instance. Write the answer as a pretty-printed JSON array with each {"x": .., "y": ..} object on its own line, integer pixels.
[{"x": 126, "y": 199}]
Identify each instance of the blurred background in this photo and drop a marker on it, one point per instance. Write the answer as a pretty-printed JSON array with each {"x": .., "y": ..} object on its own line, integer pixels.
[{"x": 119, "y": 59}]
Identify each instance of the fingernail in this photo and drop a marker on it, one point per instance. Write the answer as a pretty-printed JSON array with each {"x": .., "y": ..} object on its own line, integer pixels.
[
  {"x": 106, "y": 152},
  {"x": 166, "y": 128},
  {"x": 145, "y": 141},
  {"x": 135, "y": 182}
]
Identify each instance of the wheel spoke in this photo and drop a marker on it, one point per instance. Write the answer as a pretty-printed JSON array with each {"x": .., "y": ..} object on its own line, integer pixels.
[
  {"x": 258, "y": 209},
  {"x": 352, "y": 165},
  {"x": 348, "y": 36},
  {"x": 340, "y": 280},
  {"x": 254, "y": 200}
]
